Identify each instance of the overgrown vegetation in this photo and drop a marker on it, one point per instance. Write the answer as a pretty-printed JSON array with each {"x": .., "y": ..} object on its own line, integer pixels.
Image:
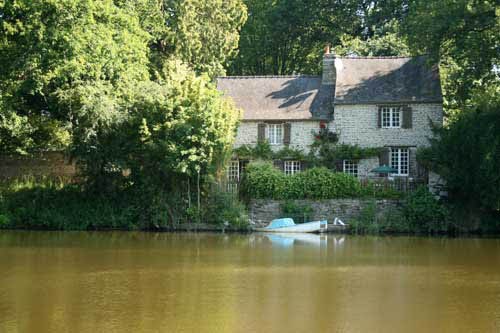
[
  {"x": 467, "y": 154},
  {"x": 327, "y": 152},
  {"x": 263, "y": 151},
  {"x": 126, "y": 88},
  {"x": 52, "y": 204},
  {"x": 420, "y": 213},
  {"x": 263, "y": 181}
]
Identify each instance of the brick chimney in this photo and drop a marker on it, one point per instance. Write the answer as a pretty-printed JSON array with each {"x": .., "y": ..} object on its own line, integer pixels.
[{"x": 329, "y": 71}]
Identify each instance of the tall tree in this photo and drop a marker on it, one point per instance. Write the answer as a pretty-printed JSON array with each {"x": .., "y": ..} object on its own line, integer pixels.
[
  {"x": 51, "y": 53},
  {"x": 463, "y": 35},
  {"x": 467, "y": 152},
  {"x": 285, "y": 37},
  {"x": 202, "y": 33}
]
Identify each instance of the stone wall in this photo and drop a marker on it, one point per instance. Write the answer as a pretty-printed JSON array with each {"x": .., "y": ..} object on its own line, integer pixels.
[
  {"x": 301, "y": 136},
  {"x": 357, "y": 124},
  {"x": 262, "y": 211},
  {"x": 47, "y": 164}
]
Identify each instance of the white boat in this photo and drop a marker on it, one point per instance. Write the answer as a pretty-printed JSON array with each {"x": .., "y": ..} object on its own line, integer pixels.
[{"x": 288, "y": 225}]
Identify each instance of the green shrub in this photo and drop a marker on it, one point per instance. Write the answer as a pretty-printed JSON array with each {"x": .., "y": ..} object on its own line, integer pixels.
[
  {"x": 321, "y": 183},
  {"x": 4, "y": 220},
  {"x": 221, "y": 208},
  {"x": 425, "y": 214},
  {"x": 52, "y": 205},
  {"x": 366, "y": 222},
  {"x": 263, "y": 181}
]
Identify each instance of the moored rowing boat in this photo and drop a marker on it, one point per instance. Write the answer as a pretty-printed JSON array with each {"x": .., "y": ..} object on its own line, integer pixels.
[{"x": 288, "y": 225}]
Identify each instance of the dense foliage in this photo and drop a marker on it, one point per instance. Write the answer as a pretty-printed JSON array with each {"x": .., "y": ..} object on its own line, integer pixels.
[
  {"x": 288, "y": 36},
  {"x": 55, "y": 205},
  {"x": 462, "y": 35},
  {"x": 327, "y": 152},
  {"x": 420, "y": 213},
  {"x": 126, "y": 88},
  {"x": 202, "y": 33},
  {"x": 70, "y": 68},
  {"x": 262, "y": 180},
  {"x": 171, "y": 130},
  {"x": 467, "y": 154},
  {"x": 263, "y": 151}
]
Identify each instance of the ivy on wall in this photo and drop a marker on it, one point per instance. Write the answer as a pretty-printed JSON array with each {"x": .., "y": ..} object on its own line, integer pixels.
[
  {"x": 263, "y": 151},
  {"x": 325, "y": 151}
]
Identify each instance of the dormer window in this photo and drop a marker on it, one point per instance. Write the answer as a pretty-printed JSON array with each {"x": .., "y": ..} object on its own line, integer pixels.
[{"x": 391, "y": 117}]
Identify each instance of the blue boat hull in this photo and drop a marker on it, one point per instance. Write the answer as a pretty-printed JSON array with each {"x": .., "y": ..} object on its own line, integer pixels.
[{"x": 316, "y": 226}]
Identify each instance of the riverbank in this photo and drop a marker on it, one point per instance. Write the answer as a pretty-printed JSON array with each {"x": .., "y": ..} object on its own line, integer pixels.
[{"x": 52, "y": 206}]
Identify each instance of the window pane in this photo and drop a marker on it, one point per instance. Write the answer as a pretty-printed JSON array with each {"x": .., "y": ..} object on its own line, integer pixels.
[
  {"x": 386, "y": 117},
  {"x": 275, "y": 133},
  {"x": 400, "y": 160},
  {"x": 351, "y": 167},
  {"x": 396, "y": 117},
  {"x": 404, "y": 161},
  {"x": 233, "y": 170},
  {"x": 292, "y": 167},
  {"x": 395, "y": 158}
]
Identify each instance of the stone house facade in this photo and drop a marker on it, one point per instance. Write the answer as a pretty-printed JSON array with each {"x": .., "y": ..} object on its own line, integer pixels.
[{"x": 389, "y": 103}]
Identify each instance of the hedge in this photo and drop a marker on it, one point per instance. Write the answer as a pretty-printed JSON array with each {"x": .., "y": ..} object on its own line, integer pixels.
[{"x": 263, "y": 181}]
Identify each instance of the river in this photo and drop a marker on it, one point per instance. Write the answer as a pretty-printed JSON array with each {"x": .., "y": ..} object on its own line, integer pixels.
[{"x": 179, "y": 282}]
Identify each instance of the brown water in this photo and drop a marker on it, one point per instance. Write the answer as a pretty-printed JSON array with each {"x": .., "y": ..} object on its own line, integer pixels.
[{"x": 146, "y": 282}]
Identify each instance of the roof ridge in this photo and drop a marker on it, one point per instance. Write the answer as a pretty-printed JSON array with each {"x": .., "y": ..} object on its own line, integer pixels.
[{"x": 266, "y": 76}]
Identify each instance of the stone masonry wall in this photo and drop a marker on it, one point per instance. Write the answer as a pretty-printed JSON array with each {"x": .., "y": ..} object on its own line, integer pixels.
[
  {"x": 301, "y": 134},
  {"x": 46, "y": 164},
  {"x": 357, "y": 124},
  {"x": 262, "y": 211}
]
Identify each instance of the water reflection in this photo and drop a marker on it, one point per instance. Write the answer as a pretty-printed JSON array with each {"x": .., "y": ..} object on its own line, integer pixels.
[
  {"x": 148, "y": 282},
  {"x": 289, "y": 239}
]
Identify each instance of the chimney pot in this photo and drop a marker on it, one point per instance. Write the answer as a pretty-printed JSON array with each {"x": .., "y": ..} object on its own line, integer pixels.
[{"x": 327, "y": 48}]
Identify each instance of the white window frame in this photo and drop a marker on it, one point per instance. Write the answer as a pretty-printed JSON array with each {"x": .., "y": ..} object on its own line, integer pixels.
[
  {"x": 233, "y": 170},
  {"x": 400, "y": 160},
  {"x": 275, "y": 134},
  {"x": 291, "y": 167},
  {"x": 350, "y": 167},
  {"x": 391, "y": 116}
]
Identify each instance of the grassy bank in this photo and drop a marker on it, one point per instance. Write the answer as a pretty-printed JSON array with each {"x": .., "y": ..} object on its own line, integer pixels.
[{"x": 56, "y": 205}]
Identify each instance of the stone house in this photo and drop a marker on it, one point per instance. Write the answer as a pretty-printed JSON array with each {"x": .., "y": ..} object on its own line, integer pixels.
[{"x": 373, "y": 102}]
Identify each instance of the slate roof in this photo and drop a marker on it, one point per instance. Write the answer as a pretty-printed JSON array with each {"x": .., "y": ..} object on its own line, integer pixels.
[
  {"x": 279, "y": 97},
  {"x": 362, "y": 80},
  {"x": 386, "y": 80}
]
